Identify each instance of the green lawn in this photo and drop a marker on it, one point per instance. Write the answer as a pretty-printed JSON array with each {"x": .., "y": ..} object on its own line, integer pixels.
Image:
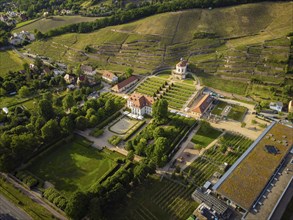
[
  {"x": 32, "y": 208},
  {"x": 205, "y": 136},
  {"x": 219, "y": 108},
  {"x": 74, "y": 166},
  {"x": 156, "y": 199},
  {"x": 10, "y": 61}
]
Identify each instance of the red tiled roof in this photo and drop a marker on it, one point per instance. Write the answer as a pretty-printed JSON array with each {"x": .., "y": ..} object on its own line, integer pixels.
[
  {"x": 182, "y": 63},
  {"x": 140, "y": 101},
  {"x": 108, "y": 74},
  {"x": 203, "y": 104},
  {"x": 125, "y": 82}
]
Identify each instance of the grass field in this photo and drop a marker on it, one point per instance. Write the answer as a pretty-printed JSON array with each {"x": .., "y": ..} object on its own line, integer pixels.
[
  {"x": 10, "y": 61},
  {"x": 205, "y": 136},
  {"x": 32, "y": 208},
  {"x": 74, "y": 166},
  {"x": 52, "y": 22},
  {"x": 156, "y": 200}
]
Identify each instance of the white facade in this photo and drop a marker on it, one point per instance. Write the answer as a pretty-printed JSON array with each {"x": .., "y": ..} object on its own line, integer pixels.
[
  {"x": 139, "y": 111},
  {"x": 114, "y": 79},
  {"x": 181, "y": 69},
  {"x": 276, "y": 106}
]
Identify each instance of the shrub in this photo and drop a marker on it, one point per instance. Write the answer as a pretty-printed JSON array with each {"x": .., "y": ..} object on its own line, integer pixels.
[
  {"x": 96, "y": 132},
  {"x": 115, "y": 140}
]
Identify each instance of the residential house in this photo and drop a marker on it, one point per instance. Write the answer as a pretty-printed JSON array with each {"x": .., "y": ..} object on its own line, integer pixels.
[
  {"x": 140, "y": 104},
  {"x": 88, "y": 70},
  {"x": 109, "y": 77},
  {"x": 204, "y": 103},
  {"x": 20, "y": 38},
  {"x": 276, "y": 106},
  {"x": 181, "y": 69},
  {"x": 125, "y": 84},
  {"x": 69, "y": 78}
]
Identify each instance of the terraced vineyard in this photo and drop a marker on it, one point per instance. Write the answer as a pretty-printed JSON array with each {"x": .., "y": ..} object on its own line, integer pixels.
[
  {"x": 178, "y": 94},
  {"x": 158, "y": 199},
  {"x": 228, "y": 149},
  {"x": 151, "y": 86}
]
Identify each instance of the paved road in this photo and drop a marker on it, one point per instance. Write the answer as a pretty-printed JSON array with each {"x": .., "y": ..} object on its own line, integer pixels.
[{"x": 9, "y": 211}]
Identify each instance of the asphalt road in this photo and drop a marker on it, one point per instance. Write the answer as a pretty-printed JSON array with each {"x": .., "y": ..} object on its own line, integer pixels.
[{"x": 8, "y": 211}]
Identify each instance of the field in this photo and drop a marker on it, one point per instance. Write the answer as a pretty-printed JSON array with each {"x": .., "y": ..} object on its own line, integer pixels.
[
  {"x": 32, "y": 208},
  {"x": 10, "y": 61},
  {"x": 227, "y": 150},
  {"x": 205, "y": 136},
  {"x": 230, "y": 111},
  {"x": 74, "y": 166},
  {"x": 156, "y": 200},
  {"x": 52, "y": 22}
]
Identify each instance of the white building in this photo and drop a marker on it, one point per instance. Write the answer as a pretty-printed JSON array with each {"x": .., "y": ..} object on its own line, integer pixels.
[
  {"x": 109, "y": 77},
  {"x": 181, "y": 69},
  {"x": 20, "y": 38},
  {"x": 276, "y": 106},
  {"x": 125, "y": 84},
  {"x": 140, "y": 104}
]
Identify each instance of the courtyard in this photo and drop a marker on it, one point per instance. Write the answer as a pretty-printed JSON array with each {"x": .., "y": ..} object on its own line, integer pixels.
[{"x": 123, "y": 125}]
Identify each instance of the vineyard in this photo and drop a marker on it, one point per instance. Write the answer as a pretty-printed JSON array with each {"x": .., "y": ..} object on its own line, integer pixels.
[
  {"x": 158, "y": 199},
  {"x": 228, "y": 149},
  {"x": 177, "y": 94}
]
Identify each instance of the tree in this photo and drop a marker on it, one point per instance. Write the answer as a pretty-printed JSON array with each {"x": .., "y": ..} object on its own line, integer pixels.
[
  {"x": 128, "y": 72},
  {"x": 68, "y": 102},
  {"x": 24, "y": 91},
  {"x": 160, "y": 150},
  {"x": 67, "y": 124},
  {"x": 38, "y": 63},
  {"x": 45, "y": 109},
  {"x": 130, "y": 155},
  {"x": 95, "y": 211},
  {"x": 81, "y": 123},
  {"x": 76, "y": 207},
  {"x": 109, "y": 106},
  {"x": 50, "y": 130},
  {"x": 160, "y": 111}
]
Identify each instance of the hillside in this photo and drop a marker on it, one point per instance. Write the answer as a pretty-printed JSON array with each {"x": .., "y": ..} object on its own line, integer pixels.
[
  {"x": 252, "y": 42},
  {"x": 46, "y": 24}
]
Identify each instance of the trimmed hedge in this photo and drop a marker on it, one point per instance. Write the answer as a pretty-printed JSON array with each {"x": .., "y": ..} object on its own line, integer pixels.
[
  {"x": 133, "y": 130},
  {"x": 54, "y": 196},
  {"x": 27, "y": 179}
]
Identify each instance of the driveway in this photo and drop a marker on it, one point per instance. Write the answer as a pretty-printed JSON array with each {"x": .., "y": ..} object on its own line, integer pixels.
[{"x": 9, "y": 211}]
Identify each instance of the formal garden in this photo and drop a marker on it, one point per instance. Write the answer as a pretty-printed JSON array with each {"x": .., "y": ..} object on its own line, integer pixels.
[
  {"x": 229, "y": 111},
  {"x": 73, "y": 166},
  {"x": 227, "y": 150}
]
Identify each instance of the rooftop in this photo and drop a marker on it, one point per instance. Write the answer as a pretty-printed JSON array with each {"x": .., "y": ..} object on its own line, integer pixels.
[
  {"x": 108, "y": 74},
  {"x": 125, "y": 82},
  {"x": 247, "y": 178},
  {"x": 182, "y": 63},
  {"x": 203, "y": 104},
  {"x": 140, "y": 101}
]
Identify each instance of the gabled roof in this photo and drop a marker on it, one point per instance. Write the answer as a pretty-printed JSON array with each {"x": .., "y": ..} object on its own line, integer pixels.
[
  {"x": 140, "y": 101},
  {"x": 203, "y": 104},
  {"x": 108, "y": 74},
  {"x": 125, "y": 82},
  {"x": 182, "y": 63}
]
